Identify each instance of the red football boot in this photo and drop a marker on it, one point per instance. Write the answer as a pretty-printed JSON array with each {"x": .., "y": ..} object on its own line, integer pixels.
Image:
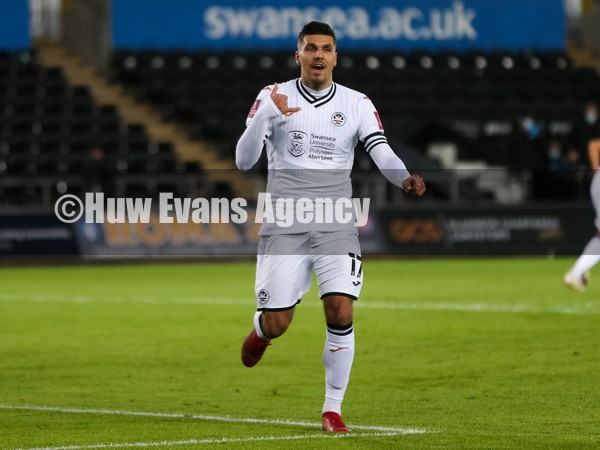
[
  {"x": 333, "y": 422},
  {"x": 253, "y": 349}
]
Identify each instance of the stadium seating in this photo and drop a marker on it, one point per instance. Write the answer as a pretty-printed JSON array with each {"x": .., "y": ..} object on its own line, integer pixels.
[
  {"x": 48, "y": 128},
  {"x": 474, "y": 99},
  {"x": 55, "y": 137},
  {"x": 210, "y": 93}
]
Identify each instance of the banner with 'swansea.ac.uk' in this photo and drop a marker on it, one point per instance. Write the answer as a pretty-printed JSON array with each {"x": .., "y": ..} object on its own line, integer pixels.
[{"x": 379, "y": 24}]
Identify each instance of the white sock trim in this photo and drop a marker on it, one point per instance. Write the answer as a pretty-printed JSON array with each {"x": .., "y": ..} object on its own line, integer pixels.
[{"x": 257, "y": 327}]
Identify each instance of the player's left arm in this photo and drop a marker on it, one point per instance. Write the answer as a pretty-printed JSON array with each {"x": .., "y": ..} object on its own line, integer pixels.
[
  {"x": 394, "y": 169},
  {"x": 390, "y": 165}
]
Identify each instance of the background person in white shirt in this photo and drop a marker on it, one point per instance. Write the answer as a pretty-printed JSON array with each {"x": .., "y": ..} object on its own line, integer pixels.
[
  {"x": 309, "y": 128},
  {"x": 578, "y": 276}
]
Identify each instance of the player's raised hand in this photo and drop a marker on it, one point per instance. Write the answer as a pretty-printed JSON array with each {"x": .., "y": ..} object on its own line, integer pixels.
[
  {"x": 281, "y": 101},
  {"x": 414, "y": 185}
]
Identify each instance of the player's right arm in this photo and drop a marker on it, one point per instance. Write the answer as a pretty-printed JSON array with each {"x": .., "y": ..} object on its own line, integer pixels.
[
  {"x": 268, "y": 106},
  {"x": 594, "y": 153}
]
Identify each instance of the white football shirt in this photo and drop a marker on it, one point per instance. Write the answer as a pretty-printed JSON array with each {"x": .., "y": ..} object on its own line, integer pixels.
[{"x": 310, "y": 153}]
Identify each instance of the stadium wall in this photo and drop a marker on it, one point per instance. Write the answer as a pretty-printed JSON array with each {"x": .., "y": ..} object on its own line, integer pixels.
[{"x": 423, "y": 231}]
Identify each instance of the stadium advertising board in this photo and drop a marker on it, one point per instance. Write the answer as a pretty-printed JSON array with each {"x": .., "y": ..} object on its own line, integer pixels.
[
  {"x": 378, "y": 24},
  {"x": 14, "y": 25},
  {"x": 488, "y": 231},
  {"x": 407, "y": 231},
  {"x": 442, "y": 231},
  {"x": 35, "y": 235},
  {"x": 156, "y": 238}
]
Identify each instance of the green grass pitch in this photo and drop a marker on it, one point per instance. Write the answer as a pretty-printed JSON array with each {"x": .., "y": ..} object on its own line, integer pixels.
[{"x": 477, "y": 353}]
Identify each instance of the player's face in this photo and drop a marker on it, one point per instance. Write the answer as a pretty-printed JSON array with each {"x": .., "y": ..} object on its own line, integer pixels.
[{"x": 317, "y": 57}]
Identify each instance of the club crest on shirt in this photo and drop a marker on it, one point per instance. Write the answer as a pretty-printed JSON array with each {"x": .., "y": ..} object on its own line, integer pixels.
[
  {"x": 297, "y": 141},
  {"x": 338, "y": 119}
]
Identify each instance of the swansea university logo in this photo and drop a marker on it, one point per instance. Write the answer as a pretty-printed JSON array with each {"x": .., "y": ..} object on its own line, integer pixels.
[
  {"x": 338, "y": 119},
  {"x": 297, "y": 140}
]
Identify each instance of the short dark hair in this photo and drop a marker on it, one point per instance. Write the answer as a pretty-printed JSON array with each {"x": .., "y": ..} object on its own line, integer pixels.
[{"x": 313, "y": 27}]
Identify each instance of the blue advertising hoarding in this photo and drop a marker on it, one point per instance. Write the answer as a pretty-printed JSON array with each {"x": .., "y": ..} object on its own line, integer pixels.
[
  {"x": 14, "y": 25},
  {"x": 378, "y": 24},
  {"x": 40, "y": 234}
]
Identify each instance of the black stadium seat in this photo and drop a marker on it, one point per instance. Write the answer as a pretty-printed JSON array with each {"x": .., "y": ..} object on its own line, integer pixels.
[
  {"x": 210, "y": 92},
  {"x": 50, "y": 128}
]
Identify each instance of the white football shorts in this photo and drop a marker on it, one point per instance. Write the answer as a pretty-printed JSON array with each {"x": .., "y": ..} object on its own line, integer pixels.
[{"x": 285, "y": 264}]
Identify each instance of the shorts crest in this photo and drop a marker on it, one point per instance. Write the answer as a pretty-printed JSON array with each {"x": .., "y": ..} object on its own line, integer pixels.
[{"x": 263, "y": 296}]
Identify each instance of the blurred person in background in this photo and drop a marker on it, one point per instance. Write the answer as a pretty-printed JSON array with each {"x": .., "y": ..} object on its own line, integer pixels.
[
  {"x": 578, "y": 276},
  {"x": 99, "y": 172},
  {"x": 586, "y": 129},
  {"x": 565, "y": 173}
]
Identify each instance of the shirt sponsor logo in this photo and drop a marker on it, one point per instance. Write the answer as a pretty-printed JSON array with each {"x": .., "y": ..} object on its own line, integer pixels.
[
  {"x": 338, "y": 119},
  {"x": 321, "y": 154},
  {"x": 322, "y": 147},
  {"x": 297, "y": 140}
]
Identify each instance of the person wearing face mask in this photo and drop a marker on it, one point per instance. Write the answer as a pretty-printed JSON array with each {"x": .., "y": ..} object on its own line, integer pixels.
[
  {"x": 564, "y": 172},
  {"x": 585, "y": 130},
  {"x": 591, "y": 114},
  {"x": 527, "y": 154}
]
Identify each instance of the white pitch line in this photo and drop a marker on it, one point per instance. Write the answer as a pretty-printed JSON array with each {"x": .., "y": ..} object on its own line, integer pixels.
[
  {"x": 585, "y": 308},
  {"x": 483, "y": 307},
  {"x": 217, "y": 441},
  {"x": 203, "y": 417}
]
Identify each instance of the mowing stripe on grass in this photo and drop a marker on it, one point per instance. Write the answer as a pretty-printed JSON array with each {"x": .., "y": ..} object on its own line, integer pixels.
[
  {"x": 203, "y": 417},
  {"x": 582, "y": 308},
  {"x": 219, "y": 441}
]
